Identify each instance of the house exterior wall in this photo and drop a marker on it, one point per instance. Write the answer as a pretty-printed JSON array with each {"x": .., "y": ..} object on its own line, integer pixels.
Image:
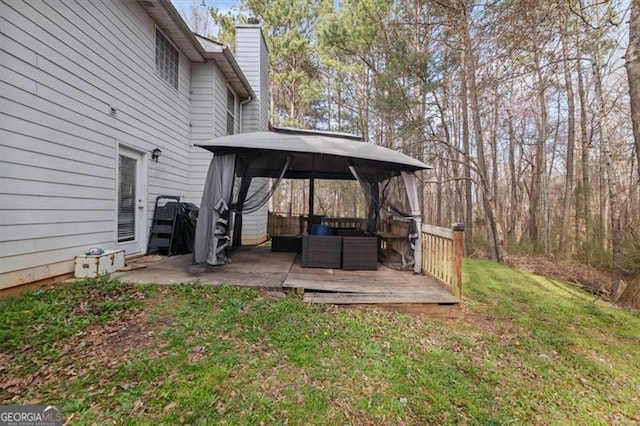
[
  {"x": 208, "y": 121},
  {"x": 253, "y": 57},
  {"x": 62, "y": 69},
  {"x": 77, "y": 87},
  {"x": 203, "y": 113}
]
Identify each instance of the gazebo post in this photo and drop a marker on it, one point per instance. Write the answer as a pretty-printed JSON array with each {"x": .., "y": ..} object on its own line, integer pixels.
[{"x": 311, "y": 202}]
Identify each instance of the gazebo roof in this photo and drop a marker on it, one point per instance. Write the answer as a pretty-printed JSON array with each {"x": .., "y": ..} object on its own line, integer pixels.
[{"x": 323, "y": 155}]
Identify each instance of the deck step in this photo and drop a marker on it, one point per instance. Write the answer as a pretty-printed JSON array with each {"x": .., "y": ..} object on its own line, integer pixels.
[
  {"x": 352, "y": 286},
  {"x": 339, "y": 298}
]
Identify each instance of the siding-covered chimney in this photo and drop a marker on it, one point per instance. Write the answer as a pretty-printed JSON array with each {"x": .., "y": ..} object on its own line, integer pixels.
[{"x": 253, "y": 57}]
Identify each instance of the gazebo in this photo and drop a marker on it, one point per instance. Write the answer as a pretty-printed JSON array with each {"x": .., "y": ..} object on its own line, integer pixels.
[{"x": 297, "y": 154}]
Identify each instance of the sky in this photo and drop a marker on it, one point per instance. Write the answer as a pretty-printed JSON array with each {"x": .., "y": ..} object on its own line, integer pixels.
[
  {"x": 220, "y": 4},
  {"x": 182, "y": 6}
]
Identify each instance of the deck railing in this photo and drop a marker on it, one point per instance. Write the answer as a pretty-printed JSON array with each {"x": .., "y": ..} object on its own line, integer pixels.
[
  {"x": 442, "y": 252},
  {"x": 345, "y": 222},
  {"x": 281, "y": 224}
]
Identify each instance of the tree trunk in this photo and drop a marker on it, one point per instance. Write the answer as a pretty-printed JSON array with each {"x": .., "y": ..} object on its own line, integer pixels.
[
  {"x": 584, "y": 164},
  {"x": 468, "y": 189},
  {"x": 609, "y": 180},
  {"x": 633, "y": 76},
  {"x": 601, "y": 230},
  {"x": 490, "y": 221},
  {"x": 513, "y": 193},
  {"x": 539, "y": 160},
  {"x": 563, "y": 247}
]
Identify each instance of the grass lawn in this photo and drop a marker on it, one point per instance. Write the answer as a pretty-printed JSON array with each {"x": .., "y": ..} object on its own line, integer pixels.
[{"x": 528, "y": 350}]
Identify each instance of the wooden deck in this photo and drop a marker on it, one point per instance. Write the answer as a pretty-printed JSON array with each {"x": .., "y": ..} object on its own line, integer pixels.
[
  {"x": 386, "y": 288},
  {"x": 258, "y": 267}
]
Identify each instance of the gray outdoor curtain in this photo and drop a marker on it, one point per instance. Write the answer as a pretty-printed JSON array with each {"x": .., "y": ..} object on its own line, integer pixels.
[
  {"x": 253, "y": 192},
  {"x": 212, "y": 234},
  {"x": 213, "y": 227},
  {"x": 411, "y": 185},
  {"x": 368, "y": 178},
  {"x": 371, "y": 188}
]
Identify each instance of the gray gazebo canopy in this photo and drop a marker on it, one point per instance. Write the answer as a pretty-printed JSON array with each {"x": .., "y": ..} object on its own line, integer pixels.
[
  {"x": 322, "y": 155},
  {"x": 294, "y": 154}
]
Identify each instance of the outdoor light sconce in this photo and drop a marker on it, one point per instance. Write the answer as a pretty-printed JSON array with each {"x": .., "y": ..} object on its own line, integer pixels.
[{"x": 155, "y": 154}]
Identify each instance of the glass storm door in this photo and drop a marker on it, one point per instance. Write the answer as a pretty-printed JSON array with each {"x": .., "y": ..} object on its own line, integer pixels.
[{"x": 131, "y": 196}]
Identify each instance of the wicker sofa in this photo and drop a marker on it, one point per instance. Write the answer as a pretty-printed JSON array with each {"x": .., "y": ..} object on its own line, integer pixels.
[
  {"x": 321, "y": 251},
  {"x": 360, "y": 253},
  {"x": 350, "y": 253}
]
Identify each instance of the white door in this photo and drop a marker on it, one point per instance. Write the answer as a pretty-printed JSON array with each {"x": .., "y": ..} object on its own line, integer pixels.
[{"x": 131, "y": 230}]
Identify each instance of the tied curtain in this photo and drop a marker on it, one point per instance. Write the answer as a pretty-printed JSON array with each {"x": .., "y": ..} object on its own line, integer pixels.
[
  {"x": 221, "y": 207},
  {"x": 370, "y": 180},
  {"x": 212, "y": 237},
  {"x": 411, "y": 185}
]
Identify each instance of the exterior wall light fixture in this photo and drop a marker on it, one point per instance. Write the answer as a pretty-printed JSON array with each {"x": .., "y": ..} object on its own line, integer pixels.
[{"x": 155, "y": 154}]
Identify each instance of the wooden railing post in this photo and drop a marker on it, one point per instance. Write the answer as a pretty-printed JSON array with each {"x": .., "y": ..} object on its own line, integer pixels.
[{"x": 458, "y": 250}]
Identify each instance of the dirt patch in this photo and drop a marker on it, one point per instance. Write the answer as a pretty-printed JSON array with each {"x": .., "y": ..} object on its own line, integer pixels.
[{"x": 100, "y": 348}]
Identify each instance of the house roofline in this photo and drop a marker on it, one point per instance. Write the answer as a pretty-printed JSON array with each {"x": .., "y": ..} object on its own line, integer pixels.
[
  {"x": 169, "y": 20},
  {"x": 228, "y": 65}
]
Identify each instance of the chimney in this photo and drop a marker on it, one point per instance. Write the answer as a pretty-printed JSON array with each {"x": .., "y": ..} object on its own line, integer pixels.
[{"x": 253, "y": 57}]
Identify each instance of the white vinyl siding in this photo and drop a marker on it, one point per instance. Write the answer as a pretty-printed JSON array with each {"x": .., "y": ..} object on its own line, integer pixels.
[
  {"x": 208, "y": 121},
  {"x": 63, "y": 66},
  {"x": 252, "y": 56}
]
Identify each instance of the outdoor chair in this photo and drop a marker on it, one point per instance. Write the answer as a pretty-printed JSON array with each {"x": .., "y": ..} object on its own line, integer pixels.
[
  {"x": 286, "y": 243},
  {"x": 360, "y": 253},
  {"x": 321, "y": 251}
]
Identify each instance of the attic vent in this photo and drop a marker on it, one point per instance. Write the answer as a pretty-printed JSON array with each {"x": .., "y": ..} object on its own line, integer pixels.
[{"x": 147, "y": 3}]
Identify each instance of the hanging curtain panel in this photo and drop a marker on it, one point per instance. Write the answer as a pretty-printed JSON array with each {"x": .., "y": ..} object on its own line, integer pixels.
[
  {"x": 411, "y": 185},
  {"x": 214, "y": 219},
  {"x": 212, "y": 234}
]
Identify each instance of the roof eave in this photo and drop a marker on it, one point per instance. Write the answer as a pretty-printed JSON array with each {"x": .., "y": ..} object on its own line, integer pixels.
[
  {"x": 232, "y": 72},
  {"x": 171, "y": 23}
]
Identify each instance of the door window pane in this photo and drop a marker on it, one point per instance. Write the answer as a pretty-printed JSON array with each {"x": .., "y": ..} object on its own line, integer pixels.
[{"x": 127, "y": 199}]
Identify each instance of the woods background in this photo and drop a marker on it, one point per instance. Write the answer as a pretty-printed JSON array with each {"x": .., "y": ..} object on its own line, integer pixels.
[{"x": 521, "y": 107}]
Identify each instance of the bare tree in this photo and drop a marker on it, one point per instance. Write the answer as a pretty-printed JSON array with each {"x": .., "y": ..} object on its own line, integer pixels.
[
  {"x": 633, "y": 76},
  {"x": 198, "y": 18}
]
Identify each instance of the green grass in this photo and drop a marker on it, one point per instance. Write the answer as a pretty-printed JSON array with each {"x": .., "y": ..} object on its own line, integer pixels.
[{"x": 529, "y": 350}]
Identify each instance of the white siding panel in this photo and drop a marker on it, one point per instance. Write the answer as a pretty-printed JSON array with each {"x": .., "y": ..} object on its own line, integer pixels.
[
  {"x": 21, "y": 149},
  {"x": 203, "y": 110},
  {"x": 61, "y": 249},
  {"x": 26, "y": 202},
  {"x": 52, "y": 189},
  {"x": 27, "y": 217},
  {"x": 252, "y": 56},
  {"x": 24, "y": 276},
  {"x": 39, "y": 174},
  {"x": 48, "y": 230},
  {"x": 28, "y": 248}
]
